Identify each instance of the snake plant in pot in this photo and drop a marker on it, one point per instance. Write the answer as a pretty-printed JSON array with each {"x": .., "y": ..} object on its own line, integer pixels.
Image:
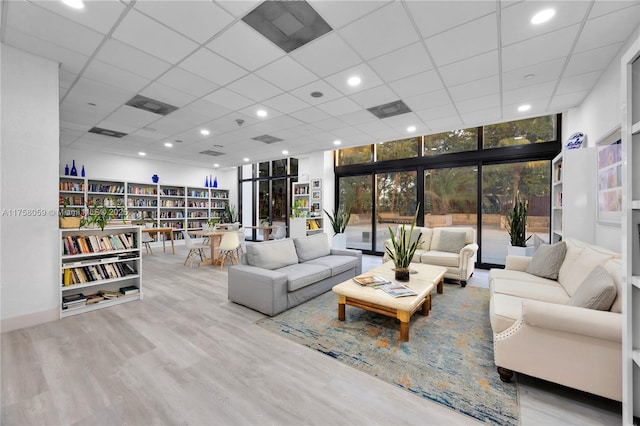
[
  {"x": 404, "y": 247},
  {"x": 517, "y": 223},
  {"x": 339, "y": 221}
]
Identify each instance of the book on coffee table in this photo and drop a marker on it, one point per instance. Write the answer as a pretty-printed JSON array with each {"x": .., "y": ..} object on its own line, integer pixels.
[
  {"x": 397, "y": 290},
  {"x": 371, "y": 280}
]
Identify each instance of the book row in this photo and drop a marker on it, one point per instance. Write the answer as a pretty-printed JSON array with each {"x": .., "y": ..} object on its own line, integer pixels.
[
  {"x": 90, "y": 273},
  {"x": 77, "y": 300},
  {"x": 78, "y": 244}
]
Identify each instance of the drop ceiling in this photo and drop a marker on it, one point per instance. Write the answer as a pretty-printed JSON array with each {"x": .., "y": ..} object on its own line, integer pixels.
[{"x": 452, "y": 63}]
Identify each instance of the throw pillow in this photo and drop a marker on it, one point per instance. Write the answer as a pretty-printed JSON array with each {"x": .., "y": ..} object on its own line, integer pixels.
[
  {"x": 312, "y": 246},
  {"x": 597, "y": 291},
  {"x": 272, "y": 254},
  {"x": 451, "y": 241},
  {"x": 547, "y": 260}
]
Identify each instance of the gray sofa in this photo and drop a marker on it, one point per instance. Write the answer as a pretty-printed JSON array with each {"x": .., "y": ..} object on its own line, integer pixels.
[{"x": 274, "y": 276}]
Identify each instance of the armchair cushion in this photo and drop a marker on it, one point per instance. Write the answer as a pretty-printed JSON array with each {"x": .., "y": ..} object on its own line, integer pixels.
[
  {"x": 597, "y": 291},
  {"x": 547, "y": 260},
  {"x": 451, "y": 241}
]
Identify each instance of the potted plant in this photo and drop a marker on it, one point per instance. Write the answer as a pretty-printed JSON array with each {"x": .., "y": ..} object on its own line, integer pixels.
[
  {"x": 516, "y": 224},
  {"x": 339, "y": 221},
  {"x": 99, "y": 216},
  {"x": 403, "y": 248}
]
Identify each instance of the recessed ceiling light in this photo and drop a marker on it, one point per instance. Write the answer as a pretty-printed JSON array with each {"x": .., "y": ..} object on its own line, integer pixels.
[
  {"x": 216, "y": 165},
  {"x": 76, "y": 4},
  {"x": 285, "y": 152},
  {"x": 317, "y": 94},
  {"x": 91, "y": 104},
  {"x": 337, "y": 142},
  {"x": 261, "y": 113},
  {"x": 245, "y": 159},
  {"x": 354, "y": 81},
  {"x": 168, "y": 144},
  {"x": 542, "y": 16},
  {"x": 411, "y": 129},
  {"x": 525, "y": 107},
  {"x": 205, "y": 132},
  {"x": 529, "y": 76},
  {"x": 142, "y": 154}
]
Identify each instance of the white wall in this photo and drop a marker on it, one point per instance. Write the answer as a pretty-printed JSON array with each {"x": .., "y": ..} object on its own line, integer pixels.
[
  {"x": 29, "y": 270},
  {"x": 597, "y": 117}
]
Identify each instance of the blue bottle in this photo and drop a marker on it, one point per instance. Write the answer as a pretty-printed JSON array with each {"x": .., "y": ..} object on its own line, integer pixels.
[
  {"x": 215, "y": 182},
  {"x": 66, "y": 170},
  {"x": 74, "y": 172},
  {"x": 82, "y": 172}
]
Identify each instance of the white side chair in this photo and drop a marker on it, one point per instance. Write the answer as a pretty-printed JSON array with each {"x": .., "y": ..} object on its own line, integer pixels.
[
  {"x": 241, "y": 239},
  {"x": 280, "y": 232},
  {"x": 196, "y": 248},
  {"x": 146, "y": 240},
  {"x": 228, "y": 247}
]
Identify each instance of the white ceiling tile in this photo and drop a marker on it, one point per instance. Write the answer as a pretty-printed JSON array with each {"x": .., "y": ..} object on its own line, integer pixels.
[
  {"x": 310, "y": 115},
  {"x": 445, "y": 124},
  {"x": 433, "y": 17},
  {"x": 358, "y": 117},
  {"x": 540, "y": 73},
  {"x": 416, "y": 84},
  {"x": 246, "y": 47},
  {"x": 380, "y": 32},
  {"x": 252, "y": 112},
  {"x": 198, "y": 20},
  {"x": 150, "y": 135},
  {"x": 131, "y": 59},
  {"x": 326, "y": 55},
  {"x": 608, "y": 29},
  {"x": 286, "y": 74},
  {"x": 97, "y": 15},
  {"x": 547, "y": 47},
  {"x": 338, "y": 14},
  {"x": 148, "y": 35},
  {"x": 366, "y": 74},
  {"x": 578, "y": 83},
  {"x": 107, "y": 74},
  {"x": 286, "y": 103},
  {"x": 228, "y": 99},
  {"x": 187, "y": 82},
  {"x": 401, "y": 63},
  {"x": 66, "y": 78},
  {"x": 528, "y": 94},
  {"x": 304, "y": 92},
  {"x": 478, "y": 104},
  {"x": 373, "y": 127},
  {"x": 480, "y": 117},
  {"x": 474, "y": 38},
  {"x": 428, "y": 100},
  {"x": 339, "y": 106},
  {"x": 167, "y": 94},
  {"x": 238, "y": 8},
  {"x": 208, "y": 109},
  {"x": 592, "y": 60},
  {"x": 567, "y": 100},
  {"x": 431, "y": 114},
  {"x": 400, "y": 122},
  {"x": 330, "y": 124},
  {"x": 605, "y": 7},
  {"x": 474, "y": 68},
  {"x": 375, "y": 96},
  {"x": 134, "y": 117},
  {"x": 78, "y": 114},
  {"x": 117, "y": 126},
  {"x": 188, "y": 119},
  {"x": 254, "y": 87},
  {"x": 101, "y": 94},
  {"x": 516, "y": 25},
  {"x": 212, "y": 67}
]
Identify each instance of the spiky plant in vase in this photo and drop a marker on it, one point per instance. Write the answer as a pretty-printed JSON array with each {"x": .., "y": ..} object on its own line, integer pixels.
[
  {"x": 517, "y": 223},
  {"x": 403, "y": 248}
]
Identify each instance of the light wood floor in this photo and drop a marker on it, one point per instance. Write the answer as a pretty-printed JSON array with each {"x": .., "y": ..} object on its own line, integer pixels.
[{"x": 186, "y": 355}]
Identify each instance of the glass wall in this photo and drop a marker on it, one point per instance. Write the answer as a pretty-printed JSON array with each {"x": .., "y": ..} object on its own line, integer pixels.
[
  {"x": 521, "y": 132},
  {"x": 355, "y": 195},
  {"x": 396, "y": 202},
  {"x": 449, "y": 142},
  {"x": 451, "y": 197},
  {"x": 395, "y": 150}
]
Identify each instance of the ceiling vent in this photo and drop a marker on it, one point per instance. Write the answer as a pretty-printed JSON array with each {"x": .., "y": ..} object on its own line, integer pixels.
[
  {"x": 107, "y": 132},
  {"x": 267, "y": 139},
  {"x": 390, "y": 109},
  {"x": 212, "y": 153},
  {"x": 151, "y": 105},
  {"x": 288, "y": 24}
]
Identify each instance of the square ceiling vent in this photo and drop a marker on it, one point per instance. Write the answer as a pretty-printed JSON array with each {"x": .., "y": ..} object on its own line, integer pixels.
[
  {"x": 267, "y": 139},
  {"x": 288, "y": 24},
  {"x": 107, "y": 132},
  {"x": 390, "y": 109},
  {"x": 151, "y": 105},
  {"x": 212, "y": 153}
]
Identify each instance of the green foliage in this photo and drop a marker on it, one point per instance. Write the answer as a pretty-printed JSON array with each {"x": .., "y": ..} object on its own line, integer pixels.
[
  {"x": 295, "y": 210},
  {"x": 517, "y": 223},
  {"x": 339, "y": 219},
  {"x": 403, "y": 248},
  {"x": 230, "y": 215}
]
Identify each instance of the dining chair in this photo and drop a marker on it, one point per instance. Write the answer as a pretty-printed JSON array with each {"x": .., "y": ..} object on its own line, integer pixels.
[
  {"x": 241, "y": 239},
  {"x": 228, "y": 247},
  {"x": 196, "y": 248},
  {"x": 280, "y": 232},
  {"x": 146, "y": 240}
]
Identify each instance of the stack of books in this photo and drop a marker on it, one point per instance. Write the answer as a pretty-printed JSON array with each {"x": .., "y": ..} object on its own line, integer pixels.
[
  {"x": 371, "y": 280},
  {"x": 73, "y": 301}
]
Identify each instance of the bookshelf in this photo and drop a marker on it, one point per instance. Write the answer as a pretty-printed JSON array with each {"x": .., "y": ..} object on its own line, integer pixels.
[
  {"x": 198, "y": 206},
  {"x": 93, "y": 262},
  {"x": 556, "y": 194},
  {"x": 172, "y": 205},
  {"x": 142, "y": 201},
  {"x": 72, "y": 190},
  {"x": 307, "y": 198},
  {"x": 630, "y": 65}
]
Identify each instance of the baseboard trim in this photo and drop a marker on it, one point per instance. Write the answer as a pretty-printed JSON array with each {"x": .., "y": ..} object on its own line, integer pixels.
[{"x": 28, "y": 320}]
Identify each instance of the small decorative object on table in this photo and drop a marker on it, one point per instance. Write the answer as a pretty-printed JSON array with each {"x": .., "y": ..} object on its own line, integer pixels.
[{"x": 403, "y": 248}]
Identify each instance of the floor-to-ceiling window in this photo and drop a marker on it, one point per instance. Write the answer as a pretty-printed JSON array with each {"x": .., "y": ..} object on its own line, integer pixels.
[{"x": 356, "y": 195}]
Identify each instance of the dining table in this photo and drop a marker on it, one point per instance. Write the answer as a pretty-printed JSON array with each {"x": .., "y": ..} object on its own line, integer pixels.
[
  {"x": 215, "y": 236},
  {"x": 164, "y": 232}
]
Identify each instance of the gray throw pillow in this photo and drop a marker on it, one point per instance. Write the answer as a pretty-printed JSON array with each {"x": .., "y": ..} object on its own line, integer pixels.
[
  {"x": 312, "y": 246},
  {"x": 547, "y": 260},
  {"x": 272, "y": 254},
  {"x": 451, "y": 241},
  {"x": 597, "y": 291}
]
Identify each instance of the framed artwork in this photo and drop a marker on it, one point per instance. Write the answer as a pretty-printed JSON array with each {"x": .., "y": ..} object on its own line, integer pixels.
[
  {"x": 315, "y": 195},
  {"x": 315, "y": 207},
  {"x": 316, "y": 183},
  {"x": 609, "y": 181}
]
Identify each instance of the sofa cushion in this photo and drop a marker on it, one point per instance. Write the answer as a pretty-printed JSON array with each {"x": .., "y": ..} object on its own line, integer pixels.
[
  {"x": 614, "y": 268},
  {"x": 451, "y": 241},
  {"x": 547, "y": 260},
  {"x": 441, "y": 258},
  {"x": 597, "y": 291},
  {"x": 415, "y": 235},
  {"x": 336, "y": 263},
  {"x": 544, "y": 289},
  {"x": 571, "y": 276},
  {"x": 303, "y": 274},
  {"x": 312, "y": 246},
  {"x": 272, "y": 254},
  {"x": 504, "y": 310}
]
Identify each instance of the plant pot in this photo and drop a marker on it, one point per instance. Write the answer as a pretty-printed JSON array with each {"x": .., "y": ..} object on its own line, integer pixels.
[
  {"x": 340, "y": 241},
  {"x": 69, "y": 222},
  {"x": 402, "y": 274},
  {"x": 520, "y": 251}
]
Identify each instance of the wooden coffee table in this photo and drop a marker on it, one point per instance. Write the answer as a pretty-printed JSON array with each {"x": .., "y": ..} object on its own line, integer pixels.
[{"x": 375, "y": 300}]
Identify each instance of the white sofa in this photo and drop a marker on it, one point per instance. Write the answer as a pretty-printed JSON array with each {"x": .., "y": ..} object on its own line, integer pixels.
[
  {"x": 539, "y": 333},
  {"x": 434, "y": 250}
]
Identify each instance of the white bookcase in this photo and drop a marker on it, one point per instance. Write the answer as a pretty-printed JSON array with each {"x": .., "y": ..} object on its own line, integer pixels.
[
  {"x": 90, "y": 265},
  {"x": 556, "y": 199},
  {"x": 309, "y": 202},
  {"x": 630, "y": 96}
]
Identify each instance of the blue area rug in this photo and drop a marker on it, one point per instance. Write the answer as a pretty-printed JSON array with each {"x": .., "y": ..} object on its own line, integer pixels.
[{"x": 448, "y": 358}]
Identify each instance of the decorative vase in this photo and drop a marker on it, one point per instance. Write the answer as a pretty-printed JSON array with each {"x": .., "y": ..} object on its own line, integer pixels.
[
  {"x": 66, "y": 170},
  {"x": 340, "y": 241},
  {"x": 82, "y": 172},
  {"x": 402, "y": 274},
  {"x": 155, "y": 178},
  {"x": 215, "y": 182},
  {"x": 74, "y": 171},
  {"x": 206, "y": 181}
]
